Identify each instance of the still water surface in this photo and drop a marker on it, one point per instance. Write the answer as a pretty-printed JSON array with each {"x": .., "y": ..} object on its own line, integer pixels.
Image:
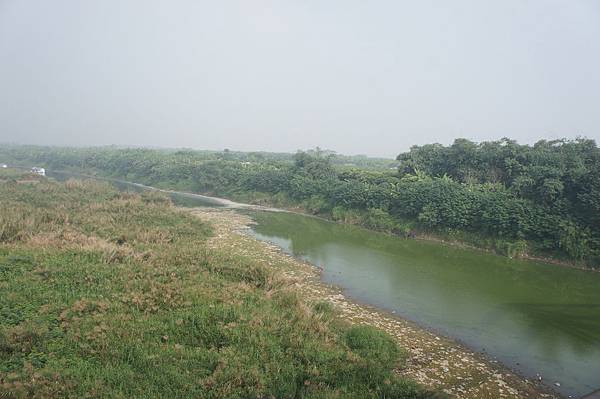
[{"x": 533, "y": 317}]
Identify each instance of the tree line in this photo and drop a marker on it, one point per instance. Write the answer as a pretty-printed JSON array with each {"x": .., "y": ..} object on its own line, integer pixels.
[{"x": 541, "y": 199}]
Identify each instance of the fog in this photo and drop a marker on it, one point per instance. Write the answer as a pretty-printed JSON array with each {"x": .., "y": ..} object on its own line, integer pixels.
[{"x": 352, "y": 76}]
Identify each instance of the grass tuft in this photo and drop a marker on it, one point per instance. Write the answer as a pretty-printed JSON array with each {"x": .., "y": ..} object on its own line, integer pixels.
[{"x": 118, "y": 295}]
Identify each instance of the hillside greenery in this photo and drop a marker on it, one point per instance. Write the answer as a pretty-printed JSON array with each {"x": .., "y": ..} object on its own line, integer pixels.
[
  {"x": 109, "y": 294},
  {"x": 541, "y": 200}
]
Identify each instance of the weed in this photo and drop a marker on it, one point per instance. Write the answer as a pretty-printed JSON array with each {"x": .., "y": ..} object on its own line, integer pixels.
[{"x": 117, "y": 295}]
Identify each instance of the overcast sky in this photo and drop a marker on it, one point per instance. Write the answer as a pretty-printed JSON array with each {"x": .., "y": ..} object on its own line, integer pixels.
[{"x": 358, "y": 77}]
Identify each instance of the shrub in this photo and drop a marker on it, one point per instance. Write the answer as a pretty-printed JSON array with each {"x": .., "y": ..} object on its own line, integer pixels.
[
  {"x": 378, "y": 219},
  {"x": 512, "y": 249},
  {"x": 156, "y": 197}
]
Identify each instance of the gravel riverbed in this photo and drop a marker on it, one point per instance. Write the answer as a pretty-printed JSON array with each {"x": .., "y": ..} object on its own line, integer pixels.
[{"x": 432, "y": 360}]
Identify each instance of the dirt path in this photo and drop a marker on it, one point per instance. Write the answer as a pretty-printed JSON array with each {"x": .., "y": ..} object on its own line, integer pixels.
[{"x": 432, "y": 360}]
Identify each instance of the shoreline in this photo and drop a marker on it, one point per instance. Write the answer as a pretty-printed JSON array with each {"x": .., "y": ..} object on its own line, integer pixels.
[
  {"x": 433, "y": 360},
  {"x": 432, "y": 237},
  {"x": 231, "y": 204},
  {"x": 427, "y": 238}
]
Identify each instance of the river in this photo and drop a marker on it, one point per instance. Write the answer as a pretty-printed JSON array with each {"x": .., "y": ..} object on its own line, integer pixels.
[{"x": 533, "y": 317}]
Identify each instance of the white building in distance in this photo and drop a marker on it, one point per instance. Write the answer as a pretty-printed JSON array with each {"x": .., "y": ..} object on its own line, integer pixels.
[{"x": 38, "y": 171}]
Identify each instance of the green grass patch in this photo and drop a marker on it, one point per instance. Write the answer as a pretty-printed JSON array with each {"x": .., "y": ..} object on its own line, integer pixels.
[{"x": 108, "y": 294}]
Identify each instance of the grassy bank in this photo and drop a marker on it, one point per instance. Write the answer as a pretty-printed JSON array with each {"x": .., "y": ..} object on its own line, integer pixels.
[
  {"x": 376, "y": 221},
  {"x": 516, "y": 200},
  {"x": 117, "y": 295},
  {"x": 432, "y": 360}
]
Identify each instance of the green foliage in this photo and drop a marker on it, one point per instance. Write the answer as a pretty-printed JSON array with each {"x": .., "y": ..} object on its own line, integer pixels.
[
  {"x": 315, "y": 204},
  {"x": 350, "y": 216},
  {"x": 512, "y": 249},
  {"x": 118, "y": 295},
  {"x": 323, "y": 307},
  {"x": 378, "y": 219},
  {"x": 372, "y": 344},
  {"x": 573, "y": 240},
  {"x": 547, "y": 195}
]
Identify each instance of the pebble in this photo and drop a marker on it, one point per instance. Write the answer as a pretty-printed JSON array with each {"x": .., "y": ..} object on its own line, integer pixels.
[{"x": 429, "y": 357}]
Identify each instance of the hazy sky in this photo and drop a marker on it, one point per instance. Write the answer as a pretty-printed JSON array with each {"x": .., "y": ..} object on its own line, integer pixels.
[{"x": 368, "y": 77}]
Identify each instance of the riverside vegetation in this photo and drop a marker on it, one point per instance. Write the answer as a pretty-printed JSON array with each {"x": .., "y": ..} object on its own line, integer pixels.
[
  {"x": 111, "y": 294},
  {"x": 518, "y": 200}
]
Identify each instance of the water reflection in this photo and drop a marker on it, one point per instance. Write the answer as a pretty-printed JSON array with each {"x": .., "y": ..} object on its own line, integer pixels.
[
  {"x": 576, "y": 325},
  {"x": 535, "y": 317}
]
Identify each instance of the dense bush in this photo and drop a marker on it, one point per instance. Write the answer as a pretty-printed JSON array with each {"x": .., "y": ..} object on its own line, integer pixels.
[{"x": 497, "y": 194}]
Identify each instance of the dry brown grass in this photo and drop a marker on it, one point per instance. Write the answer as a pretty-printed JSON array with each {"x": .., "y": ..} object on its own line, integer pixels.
[{"x": 118, "y": 295}]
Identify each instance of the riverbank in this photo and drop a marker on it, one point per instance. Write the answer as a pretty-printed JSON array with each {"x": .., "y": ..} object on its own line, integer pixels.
[
  {"x": 418, "y": 235},
  {"x": 432, "y": 360},
  {"x": 120, "y": 294},
  {"x": 270, "y": 206}
]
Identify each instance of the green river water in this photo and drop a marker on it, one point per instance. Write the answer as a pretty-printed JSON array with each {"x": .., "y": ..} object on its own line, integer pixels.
[{"x": 530, "y": 316}]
